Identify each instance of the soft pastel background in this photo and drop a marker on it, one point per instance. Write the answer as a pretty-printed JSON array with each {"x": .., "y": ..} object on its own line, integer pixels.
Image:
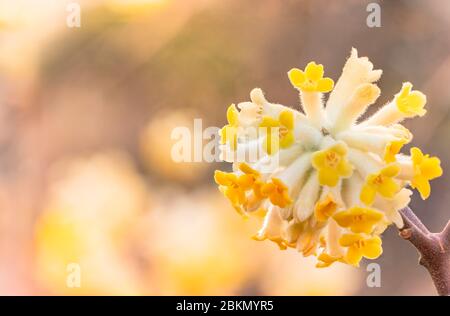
[{"x": 85, "y": 121}]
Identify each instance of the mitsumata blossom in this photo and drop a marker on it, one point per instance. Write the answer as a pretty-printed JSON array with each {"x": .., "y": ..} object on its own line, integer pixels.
[{"x": 326, "y": 182}]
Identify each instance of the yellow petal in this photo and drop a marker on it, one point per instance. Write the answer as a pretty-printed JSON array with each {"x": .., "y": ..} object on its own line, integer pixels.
[
  {"x": 347, "y": 240},
  {"x": 406, "y": 90},
  {"x": 358, "y": 219},
  {"x": 417, "y": 101},
  {"x": 325, "y": 85},
  {"x": 223, "y": 178},
  {"x": 372, "y": 249},
  {"x": 318, "y": 159},
  {"x": 286, "y": 119},
  {"x": 297, "y": 77},
  {"x": 372, "y": 215},
  {"x": 321, "y": 264},
  {"x": 268, "y": 121},
  {"x": 232, "y": 115},
  {"x": 422, "y": 185},
  {"x": 287, "y": 140},
  {"x": 325, "y": 260},
  {"x": 354, "y": 256},
  {"x": 328, "y": 176},
  {"x": 246, "y": 181},
  {"x": 344, "y": 168},
  {"x": 245, "y": 168},
  {"x": 363, "y": 227},
  {"x": 313, "y": 71},
  {"x": 392, "y": 149},
  {"x": 235, "y": 196},
  {"x": 366, "y": 226},
  {"x": 367, "y": 195},
  {"x": 389, "y": 188},
  {"x": 344, "y": 218},
  {"x": 416, "y": 155},
  {"x": 431, "y": 168},
  {"x": 390, "y": 171}
]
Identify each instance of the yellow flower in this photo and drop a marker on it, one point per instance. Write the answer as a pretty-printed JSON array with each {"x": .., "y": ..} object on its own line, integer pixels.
[
  {"x": 285, "y": 125},
  {"x": 359, "y": 246},
  {"x": 229, "y": 186},
  {"x": 332, "y": 164},
  {"x": 325, "y": 208},
  {"x": 277, "y": 192},
  {"x": 325, "y": 260},
  {"x": 381, "y": 183},
  {"x": 410, "y": 103},
  {"x": 228, "y": 133},
  {"x": 234, "y": 187},
  {"x": 311, "y": 79},
  {"x": 392, "y": 149},
  {"x": 358, "y": 219},
  {"x": 250, "y": 177},
  {"x": 425, "y": 168}
]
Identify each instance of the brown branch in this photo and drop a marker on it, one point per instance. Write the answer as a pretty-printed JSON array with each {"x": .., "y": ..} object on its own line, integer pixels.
[
  {"x": 412, "y": 218},
  {"x": 445, "y": 236},
  {"x": 433, "y": 248}
]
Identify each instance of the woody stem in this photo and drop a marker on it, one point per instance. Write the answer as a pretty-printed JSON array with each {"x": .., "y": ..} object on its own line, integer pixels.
[{"x": 433, "y": 248}]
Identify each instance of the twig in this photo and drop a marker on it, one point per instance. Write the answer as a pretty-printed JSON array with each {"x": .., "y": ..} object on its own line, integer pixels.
[{"x": 434, "y": 249}]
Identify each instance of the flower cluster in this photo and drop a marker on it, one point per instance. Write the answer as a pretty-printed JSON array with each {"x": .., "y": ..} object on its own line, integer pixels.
[{"x": 338, "y": 181}]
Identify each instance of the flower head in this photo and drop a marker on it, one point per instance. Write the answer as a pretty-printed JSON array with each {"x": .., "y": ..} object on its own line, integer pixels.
[{"x": 328, "y": 183}]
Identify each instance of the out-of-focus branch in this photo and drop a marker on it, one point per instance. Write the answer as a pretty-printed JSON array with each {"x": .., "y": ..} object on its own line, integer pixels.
[{"x": 434, "y": 249}]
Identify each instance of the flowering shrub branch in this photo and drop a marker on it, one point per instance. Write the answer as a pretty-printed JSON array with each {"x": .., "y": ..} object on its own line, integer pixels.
[
  {"x": 328, "y": 181},
  {"x": 434, "y": 249}
]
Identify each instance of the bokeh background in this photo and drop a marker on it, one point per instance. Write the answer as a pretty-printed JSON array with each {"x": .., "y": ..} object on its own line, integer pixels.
[{"x": 85, "y": 121}]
